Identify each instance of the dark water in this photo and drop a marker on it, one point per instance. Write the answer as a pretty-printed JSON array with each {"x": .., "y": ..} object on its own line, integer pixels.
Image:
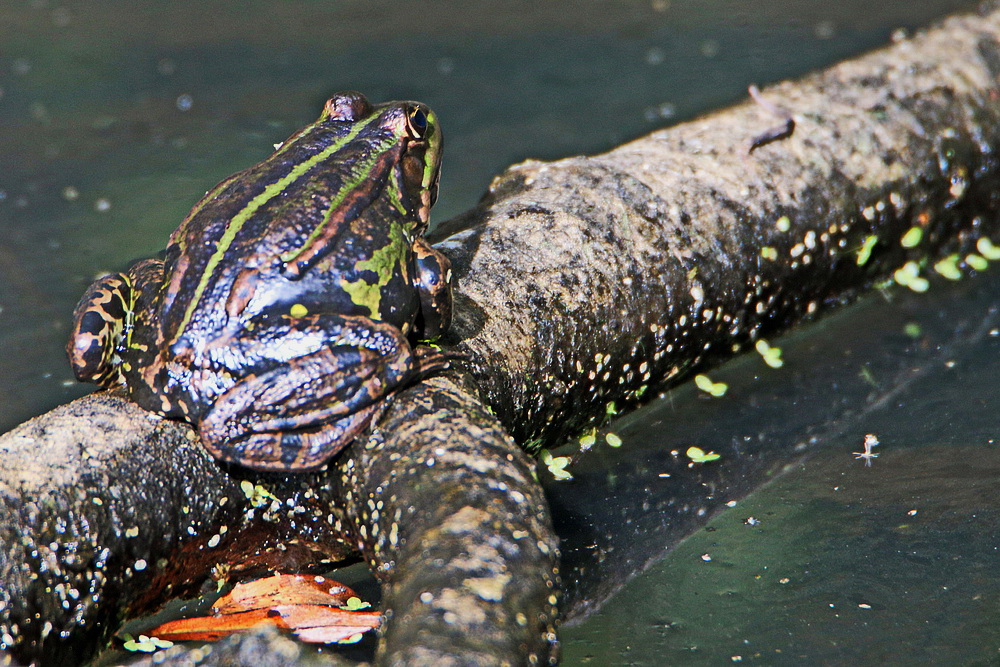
[
  {"x": 833, "y": 562},
  {"x": 116, "y": 116}
]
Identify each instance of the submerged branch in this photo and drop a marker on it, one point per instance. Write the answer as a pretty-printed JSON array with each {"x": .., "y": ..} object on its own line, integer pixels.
[{"x": 581, "y": 283}]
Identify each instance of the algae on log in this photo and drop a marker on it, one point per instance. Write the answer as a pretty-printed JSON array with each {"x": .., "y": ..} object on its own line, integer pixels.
[{"x": 580, "y": 283}]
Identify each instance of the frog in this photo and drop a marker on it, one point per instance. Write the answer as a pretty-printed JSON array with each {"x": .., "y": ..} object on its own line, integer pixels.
[{"x": 295, "y": 298}]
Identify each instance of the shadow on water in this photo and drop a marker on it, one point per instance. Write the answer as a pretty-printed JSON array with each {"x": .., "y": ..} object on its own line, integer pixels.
[{"x": 831, "y": 562}]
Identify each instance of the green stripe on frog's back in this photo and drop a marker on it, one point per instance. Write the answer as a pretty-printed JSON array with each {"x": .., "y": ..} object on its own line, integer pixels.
[
  {"x": 180, "y": 238},
  {"x": 360, "y": 175},
  {"x": 180, "y": 235},
  {"x": 239, "y": 219}
]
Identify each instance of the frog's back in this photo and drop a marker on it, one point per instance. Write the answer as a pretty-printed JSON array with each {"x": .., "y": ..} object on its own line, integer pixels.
[{"x": 242, "y": 245}]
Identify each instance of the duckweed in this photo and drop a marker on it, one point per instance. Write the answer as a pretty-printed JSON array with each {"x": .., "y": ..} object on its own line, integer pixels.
[
  {"x": 705, "y": 383},
  {"x": 948, "y": 267},
  {"x": 977, "y": 262},
  {"x": 987, "y": 249},
  {"x": 908, "y": 275},
  {"x": 556, "y": 465},
  {"x": 912, "y": 237},
  {"x": 769, "y": 253},
  {"x": 770, "y": 354},
  {"x": 354, "y": 603},
  {"x": 256, "y": 494},
  {"x": 146, "y": 644},
  {"x": 698, "y": 455},
  {"x": 865, "y": 252}
]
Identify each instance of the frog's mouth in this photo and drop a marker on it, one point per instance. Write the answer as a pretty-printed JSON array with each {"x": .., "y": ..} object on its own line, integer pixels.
[{"x": 421, "y": 177}]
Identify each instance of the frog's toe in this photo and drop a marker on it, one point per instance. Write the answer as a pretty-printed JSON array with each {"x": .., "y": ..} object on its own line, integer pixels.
[
  {"x": 429, "y": 360},
  {"x": 434, "y": 287}
]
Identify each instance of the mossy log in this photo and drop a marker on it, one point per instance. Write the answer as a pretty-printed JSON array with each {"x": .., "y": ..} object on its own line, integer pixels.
[{"x": 580, "y": 283}]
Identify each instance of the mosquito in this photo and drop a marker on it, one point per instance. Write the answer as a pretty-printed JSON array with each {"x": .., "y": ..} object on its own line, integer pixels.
[{"x": 871, "y": 441}]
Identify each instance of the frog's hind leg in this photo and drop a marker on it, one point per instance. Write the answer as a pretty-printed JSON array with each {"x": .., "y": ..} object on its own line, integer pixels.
[
  {"x": 299, "y": 413},
  {"x": 99, "y": 330}
]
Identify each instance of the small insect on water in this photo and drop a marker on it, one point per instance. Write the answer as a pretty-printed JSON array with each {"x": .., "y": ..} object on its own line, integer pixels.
[{"x": 871, "y": 441}]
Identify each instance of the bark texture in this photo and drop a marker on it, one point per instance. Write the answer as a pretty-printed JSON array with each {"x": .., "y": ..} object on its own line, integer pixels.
[
  {"x": 581, "y": 283},
  {"x": 459, "y": 530},
  {"x": 598, "y": 279}
]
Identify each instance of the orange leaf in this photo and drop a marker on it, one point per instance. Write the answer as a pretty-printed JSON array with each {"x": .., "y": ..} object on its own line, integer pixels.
[
  {"x": 211, "y": 628},
  {"x": 283, "y": 589}
]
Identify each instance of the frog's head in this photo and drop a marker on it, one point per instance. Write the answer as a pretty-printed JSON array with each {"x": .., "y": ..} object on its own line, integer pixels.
[{"x": 403, "y": 135}]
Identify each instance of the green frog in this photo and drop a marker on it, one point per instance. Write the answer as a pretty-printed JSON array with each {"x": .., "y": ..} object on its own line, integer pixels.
[{"x": 280, "y": 315}]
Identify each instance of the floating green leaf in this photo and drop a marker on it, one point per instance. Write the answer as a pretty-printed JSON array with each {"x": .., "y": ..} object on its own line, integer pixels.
[
  {"x": 770, "y": 354},
  {"x": 987, "y": 249},
  {"x": 355, "y": 603},
  {"x": 978, "y": 262},
  {"x": 908, "y": 275},
  {"x": 912, "y": 237},
  {"x": 256, "y": 494},
  {"x": 556, "y": 465},
  {"x": 948, "y": 267},
  {"x": 698, "y": 455},
  {"x": 865, "y": 252},
  {"x": 146, "y": 644},
  {"x": 705, "y": 383}
]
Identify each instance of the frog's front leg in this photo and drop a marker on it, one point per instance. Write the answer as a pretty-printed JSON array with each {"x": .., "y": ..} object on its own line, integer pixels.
[
  {"x": 433, "y": 281},
  {"x": 297, "y": 413}
]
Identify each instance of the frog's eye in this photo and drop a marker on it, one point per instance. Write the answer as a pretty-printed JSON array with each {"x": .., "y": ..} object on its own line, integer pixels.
[
  {"x": 416, "y": 120},
  {"x": 347, "y": 106}
]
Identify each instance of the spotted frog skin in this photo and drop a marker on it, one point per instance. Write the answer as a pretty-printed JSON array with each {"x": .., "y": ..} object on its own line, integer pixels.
[{"x": 281, "y": 315}]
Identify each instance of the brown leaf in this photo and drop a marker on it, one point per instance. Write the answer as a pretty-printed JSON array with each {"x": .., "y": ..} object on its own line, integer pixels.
[
  {"x": 322, "y": 624},
  {"x": 283, "y": 589}
]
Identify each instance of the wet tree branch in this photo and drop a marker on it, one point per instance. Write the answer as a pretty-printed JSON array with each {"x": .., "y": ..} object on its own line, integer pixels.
[{"x": 581, "y": 283}]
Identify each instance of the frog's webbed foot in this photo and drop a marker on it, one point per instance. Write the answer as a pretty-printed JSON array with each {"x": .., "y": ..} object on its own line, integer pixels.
[{"x": 293, "y": 450}]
